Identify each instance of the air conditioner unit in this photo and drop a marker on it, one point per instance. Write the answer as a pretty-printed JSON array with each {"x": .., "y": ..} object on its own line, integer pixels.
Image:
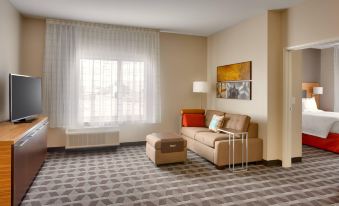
[{"x": 91, "y": 137}]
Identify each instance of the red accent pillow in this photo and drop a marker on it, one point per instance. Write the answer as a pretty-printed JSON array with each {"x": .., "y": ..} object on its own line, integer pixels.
[{"x": 193, "y": 120}]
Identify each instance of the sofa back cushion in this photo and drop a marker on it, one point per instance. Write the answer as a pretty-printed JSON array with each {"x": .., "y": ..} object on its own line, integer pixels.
[
  {"x": 192, "y": 111},
  {"x": 237, "y": 122},
  {"x": 209, "y": 116},
  {"x": 193, "y": 120}
]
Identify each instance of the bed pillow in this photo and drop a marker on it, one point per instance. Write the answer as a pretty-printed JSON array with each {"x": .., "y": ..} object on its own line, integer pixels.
[
  {"x": 216, "y": 122},
  {"x": 193, "y": 120},
  {"x": 309, "y": 104}
]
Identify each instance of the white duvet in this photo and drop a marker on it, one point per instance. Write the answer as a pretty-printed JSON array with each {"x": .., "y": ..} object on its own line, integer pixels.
[{"x": 319, "y": 123}]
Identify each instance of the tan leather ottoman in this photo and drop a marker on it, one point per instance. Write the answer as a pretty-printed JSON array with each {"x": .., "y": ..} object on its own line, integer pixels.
[{"x": 165, "y": 148}]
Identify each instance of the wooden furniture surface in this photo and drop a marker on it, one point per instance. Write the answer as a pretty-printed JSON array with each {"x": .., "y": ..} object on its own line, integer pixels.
[
  {"x": 308, "y": 87},
  {"x": 23, "y": 147},
  {"x": 11, "y": 133}
]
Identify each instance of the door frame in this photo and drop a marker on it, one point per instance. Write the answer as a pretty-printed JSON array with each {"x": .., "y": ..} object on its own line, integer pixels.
[{"x": 289, "y": 100}]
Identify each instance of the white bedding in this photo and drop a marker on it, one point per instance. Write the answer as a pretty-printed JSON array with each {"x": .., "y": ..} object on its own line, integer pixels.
[
  {"x": 319, "y": 123},
  {"x": 335, "y": 128}
]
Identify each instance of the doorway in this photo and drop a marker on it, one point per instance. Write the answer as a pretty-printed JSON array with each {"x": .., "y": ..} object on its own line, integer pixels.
[{"x": 292, "y": 98}]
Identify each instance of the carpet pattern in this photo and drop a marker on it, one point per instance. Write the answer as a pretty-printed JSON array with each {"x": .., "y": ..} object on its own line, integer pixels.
[{"x": 125, "y": 176}]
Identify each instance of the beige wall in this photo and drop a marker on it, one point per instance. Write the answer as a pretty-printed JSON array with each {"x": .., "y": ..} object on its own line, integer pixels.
[
  {"x": 327, "y": 79},
  {"x": 274, "y": 87},
  {"x": 312, "y": 21},
  {"x": 311, "y": 66},
  {"x": 32, "y": 47},
  {"x": 10, "y": 21},
  {"x": 246, "y": 41},
  {"x": 182, "y": 59}
]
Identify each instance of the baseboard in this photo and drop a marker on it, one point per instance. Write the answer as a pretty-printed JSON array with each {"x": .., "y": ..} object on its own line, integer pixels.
[
  {"x": 271, "y": 163},
  {"x": 93, "y": 149},
  {"x": 297, "y": 159},
  {"x": 55, "y": 149},
  {"x": 133, "y": 143},
  {"x": 124, "y": 144}
]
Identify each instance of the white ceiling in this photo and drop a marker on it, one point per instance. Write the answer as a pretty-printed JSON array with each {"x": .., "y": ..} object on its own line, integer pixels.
[{"x": 198, "y": 17}]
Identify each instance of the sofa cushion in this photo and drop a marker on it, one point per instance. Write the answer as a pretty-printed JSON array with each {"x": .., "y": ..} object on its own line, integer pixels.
[
  {"x": 192, "y": 131},
  {"x": 209, "y": 116},
  {"x": 193, "y": 120},
  {"x": 216, "y": 123},
  {"x": 237, "y": 122},
  {"x": 209, "y": 138}
]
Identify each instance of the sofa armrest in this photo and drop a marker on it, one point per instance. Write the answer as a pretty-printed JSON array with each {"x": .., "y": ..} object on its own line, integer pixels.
[{"x": 253, "y": 130}]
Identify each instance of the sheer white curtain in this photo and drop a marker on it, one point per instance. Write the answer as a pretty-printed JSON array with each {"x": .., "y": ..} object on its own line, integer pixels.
[{"x": 100, "y": 75}]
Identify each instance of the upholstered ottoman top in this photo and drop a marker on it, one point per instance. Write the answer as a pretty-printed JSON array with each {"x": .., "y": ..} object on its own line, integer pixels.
[{"x": 166, "y": 142}]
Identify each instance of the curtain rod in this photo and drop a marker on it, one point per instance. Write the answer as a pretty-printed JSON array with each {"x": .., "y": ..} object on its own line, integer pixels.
[{"x": 103, "y": 25}]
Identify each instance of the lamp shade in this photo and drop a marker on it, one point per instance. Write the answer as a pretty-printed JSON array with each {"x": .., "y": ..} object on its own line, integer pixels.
[
  {"x": 200, "y": 87},
  {"x": 317, "y": 90}
]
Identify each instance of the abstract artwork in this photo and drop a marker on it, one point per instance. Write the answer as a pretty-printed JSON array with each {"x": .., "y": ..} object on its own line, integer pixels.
[
  {"x": 234, "y": 72},
  {"x": 238, "y": 90},
  {"x": 221, "y": 90},
  {"x": 234, "y": 81}
]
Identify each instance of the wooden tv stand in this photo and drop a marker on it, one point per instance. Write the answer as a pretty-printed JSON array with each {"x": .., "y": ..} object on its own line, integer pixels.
[{"x": 23, "y": 149}]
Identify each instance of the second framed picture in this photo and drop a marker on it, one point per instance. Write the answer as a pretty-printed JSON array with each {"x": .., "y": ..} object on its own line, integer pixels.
[{"x": 238, "y": 90}]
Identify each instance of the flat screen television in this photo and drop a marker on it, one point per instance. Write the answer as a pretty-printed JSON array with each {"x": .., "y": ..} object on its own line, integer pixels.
[{"x": 25, "y": 97}]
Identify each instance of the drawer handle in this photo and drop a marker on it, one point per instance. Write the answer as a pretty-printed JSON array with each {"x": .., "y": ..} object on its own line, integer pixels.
[
  {"x": 34, "y": 133},
  {"x": 172, "y": 145},
  {"x": 22, "y": 144}
]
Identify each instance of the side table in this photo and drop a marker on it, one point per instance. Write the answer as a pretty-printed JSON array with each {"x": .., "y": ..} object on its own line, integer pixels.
[{"x": 234, "y": 135}]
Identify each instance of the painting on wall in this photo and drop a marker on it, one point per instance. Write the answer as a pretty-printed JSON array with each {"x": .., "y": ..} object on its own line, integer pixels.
[
  {"x": 221, "y": 90},
  {"x": 234, "y": 81},
  {"x": 238, "y": 90},
  {"x": 234, "y": 72}
]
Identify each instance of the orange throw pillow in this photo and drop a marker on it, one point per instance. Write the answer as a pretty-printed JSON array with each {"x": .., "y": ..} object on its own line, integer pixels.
[{"x": 193, "y": 120}]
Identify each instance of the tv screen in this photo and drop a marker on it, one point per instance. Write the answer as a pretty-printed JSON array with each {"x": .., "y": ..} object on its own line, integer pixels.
[{"x": 25, "y": 97}]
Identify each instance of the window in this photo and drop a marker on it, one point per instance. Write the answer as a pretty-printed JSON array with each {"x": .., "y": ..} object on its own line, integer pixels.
[
  {"x": 98, "y": 75},
  {"x": 111, "y": 91}
]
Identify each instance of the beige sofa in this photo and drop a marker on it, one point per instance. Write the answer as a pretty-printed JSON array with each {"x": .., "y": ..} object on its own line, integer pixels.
[{"x": 214, "y": 146}]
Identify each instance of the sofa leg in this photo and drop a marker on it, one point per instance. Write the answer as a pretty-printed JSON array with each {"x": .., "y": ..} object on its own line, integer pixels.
[{"x": 220, "y": 167}]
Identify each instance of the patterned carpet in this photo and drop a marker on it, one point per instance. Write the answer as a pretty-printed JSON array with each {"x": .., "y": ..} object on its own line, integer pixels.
[{"x": 125, "y": 176}]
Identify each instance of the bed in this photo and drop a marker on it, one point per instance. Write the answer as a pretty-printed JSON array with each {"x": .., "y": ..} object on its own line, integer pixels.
[{"x": 319, "y": 128}]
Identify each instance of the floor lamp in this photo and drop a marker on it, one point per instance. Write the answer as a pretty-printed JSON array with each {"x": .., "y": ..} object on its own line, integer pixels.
[{"x": 200, "y": 87}]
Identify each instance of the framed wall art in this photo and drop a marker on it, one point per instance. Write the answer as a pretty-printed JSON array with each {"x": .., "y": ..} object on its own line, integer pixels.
[{"x": 234, "y": 81}]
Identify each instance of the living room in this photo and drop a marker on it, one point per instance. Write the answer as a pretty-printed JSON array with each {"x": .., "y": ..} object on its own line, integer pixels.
[{"x": 183, "y": 45}]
